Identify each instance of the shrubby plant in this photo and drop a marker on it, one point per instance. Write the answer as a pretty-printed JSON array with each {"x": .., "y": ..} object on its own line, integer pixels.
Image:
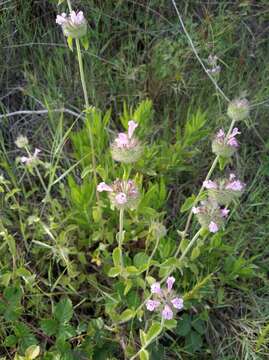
[{"x": 146, "y": 280}]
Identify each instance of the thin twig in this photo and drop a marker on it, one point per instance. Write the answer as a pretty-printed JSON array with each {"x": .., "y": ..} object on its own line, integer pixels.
[{"x": 40, "y": 112}]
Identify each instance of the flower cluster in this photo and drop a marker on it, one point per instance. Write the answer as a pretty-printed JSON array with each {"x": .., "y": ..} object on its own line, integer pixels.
[
  {"x": 31, "y": 159},
  {"x": 224, "y": 191},
  {"x": 214, "y": 69},
  {"x": 74, "y": 25},
  {"x": 126, "y": 148},
  {"x": 210, "y": 215},
  {"x": 238, "y": 109},
  {"x": 164, "y": 300},
  {"x": 122, "y": 194},
  {"x": 225, "y": 146}
]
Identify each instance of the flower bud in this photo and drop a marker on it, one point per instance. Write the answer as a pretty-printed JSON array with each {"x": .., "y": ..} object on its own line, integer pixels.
[
  {"x": 126, "y": 148},
  {"x": 21, "y": 142},
  {"x": 74, "y": 25},
  {"x": 238, "y": 109}
]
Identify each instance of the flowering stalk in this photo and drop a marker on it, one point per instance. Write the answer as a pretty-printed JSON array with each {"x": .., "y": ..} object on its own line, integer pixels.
[
  {"x": 87, "y": 105},
  {"x": 212, "y": 168}
]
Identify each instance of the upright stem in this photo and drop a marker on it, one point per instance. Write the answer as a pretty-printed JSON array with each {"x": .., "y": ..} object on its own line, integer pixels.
[
  {"x": 121, "y": 237},
  {"x": 86, "y": 99}
]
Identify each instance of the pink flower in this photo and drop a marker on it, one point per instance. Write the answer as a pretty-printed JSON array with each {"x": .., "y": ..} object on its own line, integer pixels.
[
  {"x": 208, "y": 184},
  {"x": 77, "y": 19},
  {"x": 122, "y": 140},
  {"x": 167, "y": 313},
  {"x": 104, "y": 187},
  {"x": 224, "y": 212},
  {"x": 235, "y": 186},
  {"x": 233, "y": 142},
  {"x": 170, "y": 282},
  {"x": 132, "y": 125},
  {"x": 232, "y": 177},
  {"x": 151, "y": 305},
  {"x": 177, "y": 303},
  {"x": 195, "y": 210},
  {"x": 31, "y": 158},
  {"x": 121, "y": 198},
  {"x": 213, "y": 227},
  {"x": 220, "y": 134},
  {"x": 234, "y": 132},
  {"x": 61, "y": 19},
  {"x": 156, "y": 288}
]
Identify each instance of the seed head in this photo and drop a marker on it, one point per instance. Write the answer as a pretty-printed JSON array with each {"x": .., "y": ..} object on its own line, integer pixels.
[{"x": 238, "y": 109}]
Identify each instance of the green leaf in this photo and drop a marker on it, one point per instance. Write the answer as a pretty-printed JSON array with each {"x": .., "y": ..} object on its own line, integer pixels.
[
  {"x": 188, "y": 204},
  {"x": 32, "y": 352},
  {"x": 193, "y": 341},
  {"x": 126, "y": 315},
  {"x": 24, "y": 336},
  {"x": 153, "y": 332},
  {"x": 70, "y": 42},
  {"x": 144, "y": 355},
  {"x": 114, "y": 271},
  {"x": 49, "y": 326},
  {"x": 143, "y": 338},
  {"x": 131, "y": 270},
  {"x": 195, "y": 253},
  {"x": 66, "y": 331},
  {"x": 10, "y": 341},
  {"x": 170, "y": 324},
  {"x": 183, "y": 325},
  {"x": 128, "y": 285},
  {"x": 117, "y": 257},
  {"x": 85, "y": 42},
  {"x": 141, "y": 260},
  {"x": 64, "y": 311}
]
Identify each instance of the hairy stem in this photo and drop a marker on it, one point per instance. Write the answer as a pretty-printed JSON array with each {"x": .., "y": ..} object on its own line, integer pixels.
[
  {"x": 86, "y": 99},
  {"x": 121, "y": 237}
]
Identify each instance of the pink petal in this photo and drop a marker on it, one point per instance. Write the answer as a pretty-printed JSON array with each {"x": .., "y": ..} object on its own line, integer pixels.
[
  {"x": 121, "y": 198},
  {"x": 167, "y": 313},
  {"x": 132, "y": 125},
  {"x": 213, "y": 227},
  {"x": 208, "y": 184},
  {"x": 225, "y": 212},
  {"x": 220, "y": 134},
  {"x": 170, "y": 282},
  {"x": 156, "y": 288},
  {"x": 151, "y": 305},
  {"x": 104, "y": 187},
  {"x": 177, "y": 303}
]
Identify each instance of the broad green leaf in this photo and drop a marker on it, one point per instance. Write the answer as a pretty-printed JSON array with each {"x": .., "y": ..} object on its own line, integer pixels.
[
  {"x": 188, "y": 204},
  {"x": 64, "y": 311},
  {"x": 114, "y": 271},
  {"x": 195, "y": 253},
  {"x": 131, "y": 270},
  {"x": 144, "y": 355},
  {"x": 170, "y": 324},
  {"x": 49, "y": 326},
  {"x": 153, "y": 332},
  {"x": 126, "y": 315},
  {"x": 32, "y": 352},
  {"x": 140, "y": 260},
  {"x": 143, "y": 337},
  {"x": 117, "y": 257}
]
